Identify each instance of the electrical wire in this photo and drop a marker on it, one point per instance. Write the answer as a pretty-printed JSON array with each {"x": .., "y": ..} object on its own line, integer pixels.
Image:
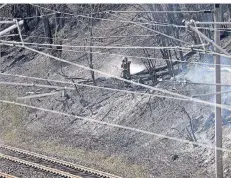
[
  {"x": 38, "y": 95},
  {"x": 200, "y": 11},
  {"x": 138, "y": 57},
  {"x": 157, "y": 32},
  {"x": 136, "y": 23},
  {"x": 142, "y": 23},
  {"x": 125, "y": 80},
  {"x": 208, "y": 94},
  {"x": 131, "y": 47},
  {"x": 99, "y": 87},
  {"x": 212, "y": 23},
  {"x": 3, "y": 5},
  {"x": 106, "y": 47},
  {"x": 25, "y": 18},
  {"x": 197, "y": 83},
  {"x": 74, "y": 83},
  {"x": 204, "y": 145}
]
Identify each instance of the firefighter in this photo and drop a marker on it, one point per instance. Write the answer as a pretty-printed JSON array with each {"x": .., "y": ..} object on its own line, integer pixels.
[
  {"x": 126, "y": 73},
  {"x": 129, "y": 70},
  {"x": 126, "y": 70},
  {"x": 123, "y": 69}
]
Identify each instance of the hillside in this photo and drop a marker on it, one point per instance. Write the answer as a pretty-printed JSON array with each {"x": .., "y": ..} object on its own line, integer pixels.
[{"x": 115, "y": 150}]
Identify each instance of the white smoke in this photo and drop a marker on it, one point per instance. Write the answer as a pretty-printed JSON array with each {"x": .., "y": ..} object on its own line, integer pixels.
[{"x": 136, "y": 68}]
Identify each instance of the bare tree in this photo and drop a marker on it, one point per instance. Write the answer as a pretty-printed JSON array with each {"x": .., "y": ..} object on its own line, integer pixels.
[
  {"x": 150, "y": 65},
  {"x": 91, "y": 44},
  {"x": 190, "y": 134}
]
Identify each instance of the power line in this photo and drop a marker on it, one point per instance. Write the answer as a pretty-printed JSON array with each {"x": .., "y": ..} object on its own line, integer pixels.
[
  {"x": 3, "y": 5},
  {"x": 118, "y": 126},
  {"x": 160, "y": 33},
  {"x": 196, "y": 83},
  {"x": 132, "y": 47},
  {"x": 155, "y": 23},
  {"x": 208, "y": 94},
  {"x": 136, "y": 23},
  {"x": 139, "y": 57},
  {"x": 142, "y": 23},
  {"x": 99, "y": 87},
  {"x": 74, "y": 83},
  {"x": 38, "y": 95},
  {"x": 212, "y": 23},
  {"x": 200, "y": 11},
  {"x": 172, "y": 60},
  {"x": 125, "y": 80},
  {"x": 106, "y": 47},
  {"x": 35, "y": 85},
  {"x": 24, "y": 18},
  {"x": 7, "y": 22}
]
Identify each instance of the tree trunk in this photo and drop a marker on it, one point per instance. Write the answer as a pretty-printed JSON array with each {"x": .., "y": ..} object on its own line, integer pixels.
[
  {"x": 229, "y": 10},
  {"x": 57, "y": 21},
  {"x": 37, "y": 15},
  {"x": 91, "y": 55},
  {"x": 47, "y": 29}
]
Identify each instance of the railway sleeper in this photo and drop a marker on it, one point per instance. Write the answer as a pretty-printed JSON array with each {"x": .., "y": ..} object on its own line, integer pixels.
[
  {"x": 37, "y": 166},
  {"x": 60, "y": 162}
]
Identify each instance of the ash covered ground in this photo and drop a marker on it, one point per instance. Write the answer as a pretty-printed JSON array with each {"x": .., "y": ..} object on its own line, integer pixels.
[{"x": 119, "y": 151}]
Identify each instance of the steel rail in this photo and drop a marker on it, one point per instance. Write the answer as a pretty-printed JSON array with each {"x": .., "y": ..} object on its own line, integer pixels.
[
  {"x": 4, "y": 175},
  {"x": 38, "y": 166},
  {"x": 60, "y": 162}
]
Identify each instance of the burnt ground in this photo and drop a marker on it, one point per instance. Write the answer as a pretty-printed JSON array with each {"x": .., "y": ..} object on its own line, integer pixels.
[{"x": 122, "y": 152}]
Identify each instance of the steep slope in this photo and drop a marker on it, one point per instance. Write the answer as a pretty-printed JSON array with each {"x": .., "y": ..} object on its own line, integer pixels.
[{"x": 123, "y": 152}]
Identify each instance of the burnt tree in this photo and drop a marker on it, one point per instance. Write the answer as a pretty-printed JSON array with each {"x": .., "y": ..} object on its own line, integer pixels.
[{"x": 47, "y": 29}]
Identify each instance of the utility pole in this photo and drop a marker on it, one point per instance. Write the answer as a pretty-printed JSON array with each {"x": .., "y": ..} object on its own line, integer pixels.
[
  {"x": 218, "y": 120},
  {"x": 91, "y": 43}
]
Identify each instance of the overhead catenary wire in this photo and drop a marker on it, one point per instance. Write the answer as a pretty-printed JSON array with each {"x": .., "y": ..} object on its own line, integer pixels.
[
  {"x": 3, "y": 5},
  {"x": 132, "y": 129},
  {"x": 125, "y": 80},
  {"x": 200, "y": 38},
  {"x": 139, "y": 57},
  {"x": 85, "y": 16},
  {"x": 199, "y": 11},
  {"x": 71, "y": 83},
  {"x": 204, "y": 145},
  {"x": 38, "y": 95},
  {"x": 93, "y": 86},
  {"x": 136, "y": 23},
  {"x": 19, "y": 31},
  {"x": 142, "y": 23},
  {"x": 109, "y": 12},
  {"x": 206, "y": 38},
  {"x": 157, "y": 32},
  {"x": 123, "y": 47},
  {"x": 7, "y": 22},
  {"x": 11, "y": 28},
  {"x": 106, "y": 47},
  {"x": 35, "y": 85},
  {"x": 25, "y": 18},
  {"x": 209, "y": 94},
  {"x": 196, "y": 83},
  {"x": 212, "y": 23},
  {"x": 74, "y": 83}
]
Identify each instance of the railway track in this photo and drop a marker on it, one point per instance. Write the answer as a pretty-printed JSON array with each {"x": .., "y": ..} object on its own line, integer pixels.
[
  {"x": 4, "y": 175},
  {"x": 51, "y": 165}
]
